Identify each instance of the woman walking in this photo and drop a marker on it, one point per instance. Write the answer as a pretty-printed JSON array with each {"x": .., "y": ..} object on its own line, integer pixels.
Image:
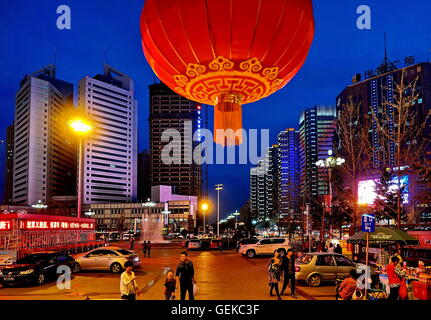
[
  {"x": 149, "y": 248},
  {"x": 274, "y": 273}
]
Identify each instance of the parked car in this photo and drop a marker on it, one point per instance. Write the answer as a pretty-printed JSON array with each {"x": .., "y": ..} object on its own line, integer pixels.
[
  {"x": 245, "y": 241},
  {"x": 265, "y": 246},
  {"x": 35, "y": 268},
  {"x": 194, "y": 244},
  {"x": 317, "y": 267},
  {"x": 106, "y": 258},
  {"x": 215, "y": 243}
]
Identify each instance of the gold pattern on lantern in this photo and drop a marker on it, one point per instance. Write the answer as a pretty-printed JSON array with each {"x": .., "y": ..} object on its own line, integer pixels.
[{"x": 204, "y": 83}]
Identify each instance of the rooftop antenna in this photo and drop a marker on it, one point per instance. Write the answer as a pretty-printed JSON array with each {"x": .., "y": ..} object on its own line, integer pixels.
[{"x": 55, "y": 55}]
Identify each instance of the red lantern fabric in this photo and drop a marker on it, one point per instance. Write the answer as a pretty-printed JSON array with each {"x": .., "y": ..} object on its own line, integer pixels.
[{"x": 226, "y": 53}]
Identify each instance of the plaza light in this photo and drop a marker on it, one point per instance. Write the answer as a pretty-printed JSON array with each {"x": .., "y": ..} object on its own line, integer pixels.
[
  {"x": 329, "y": 163},
  {"x": 81, "y": 128},
  {"x": 39, "y": 205},
  {"x": 204, "y": 208},
  {"x": 218, "y": 188},
  {"x": 89, "y": 213}
]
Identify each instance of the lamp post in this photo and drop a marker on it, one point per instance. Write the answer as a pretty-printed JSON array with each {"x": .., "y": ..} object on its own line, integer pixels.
[
  {"x": 218, "y": 187},
  {"x": 330, "y": 163},
  {"x": 236, "y": 214},
  {"x": 204, "y": 208},
  {"x": 81, "y": 128}
]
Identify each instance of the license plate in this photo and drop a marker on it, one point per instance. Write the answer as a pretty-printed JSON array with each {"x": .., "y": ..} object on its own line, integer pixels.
[{"x": 9, "y": 278}]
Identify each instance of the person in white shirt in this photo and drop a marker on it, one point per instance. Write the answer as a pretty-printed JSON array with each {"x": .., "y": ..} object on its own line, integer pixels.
[
  {"x": 331, "y": 248},
  {"x": 128, "y": 285}
]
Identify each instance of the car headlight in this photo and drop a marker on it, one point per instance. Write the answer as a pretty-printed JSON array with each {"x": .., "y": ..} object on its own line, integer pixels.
[{"x": 26, "y": 272}]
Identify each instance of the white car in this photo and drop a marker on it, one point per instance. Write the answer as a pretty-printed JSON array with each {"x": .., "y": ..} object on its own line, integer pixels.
[{"x": 265, "y": 246}]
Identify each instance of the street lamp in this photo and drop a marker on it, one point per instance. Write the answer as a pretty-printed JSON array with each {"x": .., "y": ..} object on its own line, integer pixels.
[
  {"x": 329, "y": 163},
  {"x": 39, "y": 205},
  {"x": 204, "y": 208},
  {"x": 89, "y": 213},
  {"x": 218, "y": 187},
  {"x": 81, "y": 128},
  {"x": 236, "y": 214}
]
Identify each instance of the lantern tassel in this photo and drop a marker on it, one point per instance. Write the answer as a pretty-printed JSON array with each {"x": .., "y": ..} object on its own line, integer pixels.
[{"x": 228, "y": 120}]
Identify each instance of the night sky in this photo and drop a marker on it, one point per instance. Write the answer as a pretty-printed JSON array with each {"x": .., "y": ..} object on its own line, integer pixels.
[{"x": 110, "y": 29}]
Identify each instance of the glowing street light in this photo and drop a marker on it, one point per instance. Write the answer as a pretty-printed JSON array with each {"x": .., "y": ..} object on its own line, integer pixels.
[
  {"x": 204, "y": 208},
  {"x": 329, "y": 163},
  {"x": 218, "y": 188},
  {"x": 81, "y": 128},
  {"x": 39, "y": 205}
]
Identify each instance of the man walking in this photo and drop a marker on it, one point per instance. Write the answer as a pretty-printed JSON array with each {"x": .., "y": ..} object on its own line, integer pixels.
[
  {"x": 186, "y": 275},
  {"x": 144, "y": 248},
  {"x": 288, "y": 267},
  {"x": 149, "y": 248}
]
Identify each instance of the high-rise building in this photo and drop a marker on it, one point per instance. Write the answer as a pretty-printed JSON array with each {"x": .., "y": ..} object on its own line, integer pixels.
[
  {"x": 170, "y": 111},
  {"x": 372, "y": 95},
  {"x": 288, "y": 173},
  {"x": 8, "y": 192},
  {"x": 263, "y": 181},
  {"x": 110, "y": 151},
  {"x": 44, "y": 157},
  {"x": 144, "y": 188},
  {"x": 316, "y": 134}
]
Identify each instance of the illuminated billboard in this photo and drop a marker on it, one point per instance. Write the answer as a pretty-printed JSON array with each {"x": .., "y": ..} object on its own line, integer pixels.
[{"x": 367, "y": 190}]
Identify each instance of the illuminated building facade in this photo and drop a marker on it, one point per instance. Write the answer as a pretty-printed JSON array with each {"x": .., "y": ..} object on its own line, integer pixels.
[
  {"x": 44, "y": 157},
  {"x": 316, "y": 134},
  {"x": 371, "y": 94},
  {"x": 288, "y": 173},
  {"x": 110, "y": 151},
  {"x": 263, "y": 185},
  {"x": 170, "y": 111}
]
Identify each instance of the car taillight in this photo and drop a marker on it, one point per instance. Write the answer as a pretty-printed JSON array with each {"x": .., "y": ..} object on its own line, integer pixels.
[{"x": 297, "y": 269}]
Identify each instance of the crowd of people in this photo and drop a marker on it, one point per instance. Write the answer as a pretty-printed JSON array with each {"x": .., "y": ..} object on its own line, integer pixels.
[{"x": 281, "y": 269}]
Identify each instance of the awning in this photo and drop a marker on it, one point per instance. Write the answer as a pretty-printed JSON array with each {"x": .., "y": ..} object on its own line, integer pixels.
[{"x": 382, "y": 235}]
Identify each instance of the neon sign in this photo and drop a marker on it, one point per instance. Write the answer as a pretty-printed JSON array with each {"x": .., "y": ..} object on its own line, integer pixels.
[{"x": 55, "y": 225}]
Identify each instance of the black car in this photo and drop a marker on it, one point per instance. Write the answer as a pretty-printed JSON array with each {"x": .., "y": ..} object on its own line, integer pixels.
[
  {"x": 35, "y": 268},
  {"x": 246, "y": 241}
]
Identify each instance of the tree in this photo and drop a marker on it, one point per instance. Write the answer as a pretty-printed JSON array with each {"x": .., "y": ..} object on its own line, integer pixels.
[
  {"x": 354, "y": 147},
  {"x": 400, "y": 124},
  {"x": 387, "y": 197}
]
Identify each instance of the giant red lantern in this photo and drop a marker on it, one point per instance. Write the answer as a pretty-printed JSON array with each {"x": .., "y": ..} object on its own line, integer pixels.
[{"x": 226, "y": 53}]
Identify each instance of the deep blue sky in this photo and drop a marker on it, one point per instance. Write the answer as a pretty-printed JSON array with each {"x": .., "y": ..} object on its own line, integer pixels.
[{"x": 28, "y": 35}]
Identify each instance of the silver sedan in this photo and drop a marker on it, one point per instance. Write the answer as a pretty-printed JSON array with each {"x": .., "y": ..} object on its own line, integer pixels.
[{"x": 105, "y": 258}]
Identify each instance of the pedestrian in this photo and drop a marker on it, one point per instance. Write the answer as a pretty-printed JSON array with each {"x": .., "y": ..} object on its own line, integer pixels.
[
  {"x": 132, "y": 243},
  {"x": 170, "y": 286},
  {"x": 395, "y": 275},
  {"x": 186, "y": 275},
  {"x": 149, "y": 248},
  {"x": 338, "y": 249},
  {"x": 330, "y": 248},
  {"x": 128, "y": 285},
  {"x": 288, "y": 267},
  {"x": 274, "y": 273},
  {"x": 144, "y": 248},
  {"x": 348, "y": 286}
]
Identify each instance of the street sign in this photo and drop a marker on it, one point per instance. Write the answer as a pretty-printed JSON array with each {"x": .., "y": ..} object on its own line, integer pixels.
[{"x": 368, "y": 222}]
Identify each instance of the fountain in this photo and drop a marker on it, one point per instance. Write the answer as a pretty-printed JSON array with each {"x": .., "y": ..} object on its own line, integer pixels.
[{"x": 151, "y": 229}]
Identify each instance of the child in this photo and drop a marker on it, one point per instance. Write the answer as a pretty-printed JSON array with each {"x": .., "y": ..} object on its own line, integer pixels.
[{"x": 170, "y": 285}]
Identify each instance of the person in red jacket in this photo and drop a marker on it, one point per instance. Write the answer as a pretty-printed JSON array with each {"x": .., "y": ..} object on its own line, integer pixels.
[{"x": 395, "y": 276}]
